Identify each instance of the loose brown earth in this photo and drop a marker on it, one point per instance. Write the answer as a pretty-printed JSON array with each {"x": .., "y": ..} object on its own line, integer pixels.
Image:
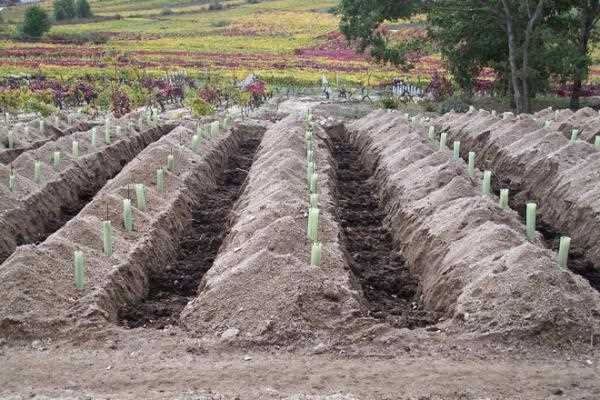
[
  {"x": 173, "y": 287},
  {"x": 389, "y": 287},
  {"x": 377, "y": 320}
]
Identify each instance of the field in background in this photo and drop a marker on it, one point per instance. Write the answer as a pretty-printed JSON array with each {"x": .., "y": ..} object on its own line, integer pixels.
[{"x": 286, "y": 41}]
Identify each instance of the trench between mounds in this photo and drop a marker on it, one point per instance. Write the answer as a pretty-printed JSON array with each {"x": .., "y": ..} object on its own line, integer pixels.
[
  {"x": 95, "y": 181},
  {"x": 172, "y": 286},
  {"x": 377, "y": 264}
]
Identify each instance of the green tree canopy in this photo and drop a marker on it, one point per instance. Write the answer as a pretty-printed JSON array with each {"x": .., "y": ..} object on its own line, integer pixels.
[
  {"x": 360, "y": 20},
  {"x": 64, "y": 9},
  {"x": 526, "y": 43},
  {"x": 36, "y": 22},
  {"x": 83, "y": 9}
]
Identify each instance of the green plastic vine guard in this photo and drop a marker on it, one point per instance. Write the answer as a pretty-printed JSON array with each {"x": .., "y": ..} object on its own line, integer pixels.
[
  {"x": 486, "y": 186},
  {"x": 547, "y": 124},
  {"x": 11, "y": 140},
  {"x": 37, "y": 171},
  {"x": 314, "y": 182},
  {"x": 310, "y": 170},
  {"x": 42, "y": 125},
  {"x": 195, "y": 142},
  {"x": 160, "y": 180},
  {"x": 530, "y": 218},
  {"x": 574, "y": 134},
  {"x": 563, "y": 251},
  {"x": 75, "y": 149},
  {"x": 107, "y": 242},
  {"x": 93, "y": 138},
  {"x": 79, "y": 261},
  {"x": 214, "y": 128},
  {"x": 107, "y": 138},
  {"x": 503, "y": 198},
  {"x": 314, "y": 200},
  {"x": 471, "y": 164},
  {"x": 456, "y": 150},
  {"x": 443, "y": 141},
  {"x": 56, "y": 160},
  {"x": 494, "y": 113},
  {"x": 127, "y": 215},
  {"x": 140, "y": 194},
  {"x": 431, "y": 133},
  {"x": 597, "y": 142},
  {"x": 170, "y": 162},
  {"x": 313, "y": 224},
  {"x": 315, "y": 254},
  {"x": 12, "y": 182}
]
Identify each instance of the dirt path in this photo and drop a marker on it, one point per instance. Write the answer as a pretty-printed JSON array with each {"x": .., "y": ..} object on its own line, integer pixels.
[{"x": 143, "y": 371}]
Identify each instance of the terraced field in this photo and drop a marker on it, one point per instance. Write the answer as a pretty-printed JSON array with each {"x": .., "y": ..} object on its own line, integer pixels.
[{"x": 410, "y": 272}]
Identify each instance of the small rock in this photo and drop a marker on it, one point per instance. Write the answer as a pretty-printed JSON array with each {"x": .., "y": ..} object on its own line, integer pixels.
[
  {"x": 247, "y": 358},
  {"x": 109, "y": 367},
  {"x": 230, "y": 333},
  {"x": 558, "y": 392},
  {"x": 196, "y": 350},
  {"x": 38, "y": 345},
  {"x": 319, "y": 349},
  {"x": 589, "y": 362}
]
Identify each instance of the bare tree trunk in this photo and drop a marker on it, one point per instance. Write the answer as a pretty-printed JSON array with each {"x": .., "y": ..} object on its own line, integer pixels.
[
  {"x": 586, "y": 31},
  {"x": 525, "y": 68},
  {"x": 512, "y": 57}
]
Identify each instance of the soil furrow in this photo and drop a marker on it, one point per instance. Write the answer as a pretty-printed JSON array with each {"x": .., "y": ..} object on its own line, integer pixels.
[
  {"x": 172, "y": 287},
  {"x": 388, "y": 285}
]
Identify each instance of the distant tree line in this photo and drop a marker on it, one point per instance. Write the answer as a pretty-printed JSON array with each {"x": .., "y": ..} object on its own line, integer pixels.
[
  {"x": 37, "y": 21},
  {"x": 71, "y": 9},
  {"x": 527, "y": 43}
]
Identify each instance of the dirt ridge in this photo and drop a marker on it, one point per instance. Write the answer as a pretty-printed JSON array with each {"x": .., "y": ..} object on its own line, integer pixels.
[
  {"x": 27, "y": 312},
  {"x": 474, "y": 262},
  {"x": 539, "y": 165},
  {"x": 34, "y": 211}
]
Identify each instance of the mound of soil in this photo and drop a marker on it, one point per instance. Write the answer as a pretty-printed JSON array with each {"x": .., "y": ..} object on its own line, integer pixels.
[
  {"x": 34, "y": 211},
  {"x": 27, "y": 311},
  {"x": 472, "y": 258},
  {"x": 262, "y": 288},
  {"x": 539, "y": 165}
]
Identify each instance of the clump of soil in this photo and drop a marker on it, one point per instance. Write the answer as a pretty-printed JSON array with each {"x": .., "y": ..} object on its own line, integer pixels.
[
  {"x": 172, "y": 288},
  {"x": 387, "y": 283}
]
